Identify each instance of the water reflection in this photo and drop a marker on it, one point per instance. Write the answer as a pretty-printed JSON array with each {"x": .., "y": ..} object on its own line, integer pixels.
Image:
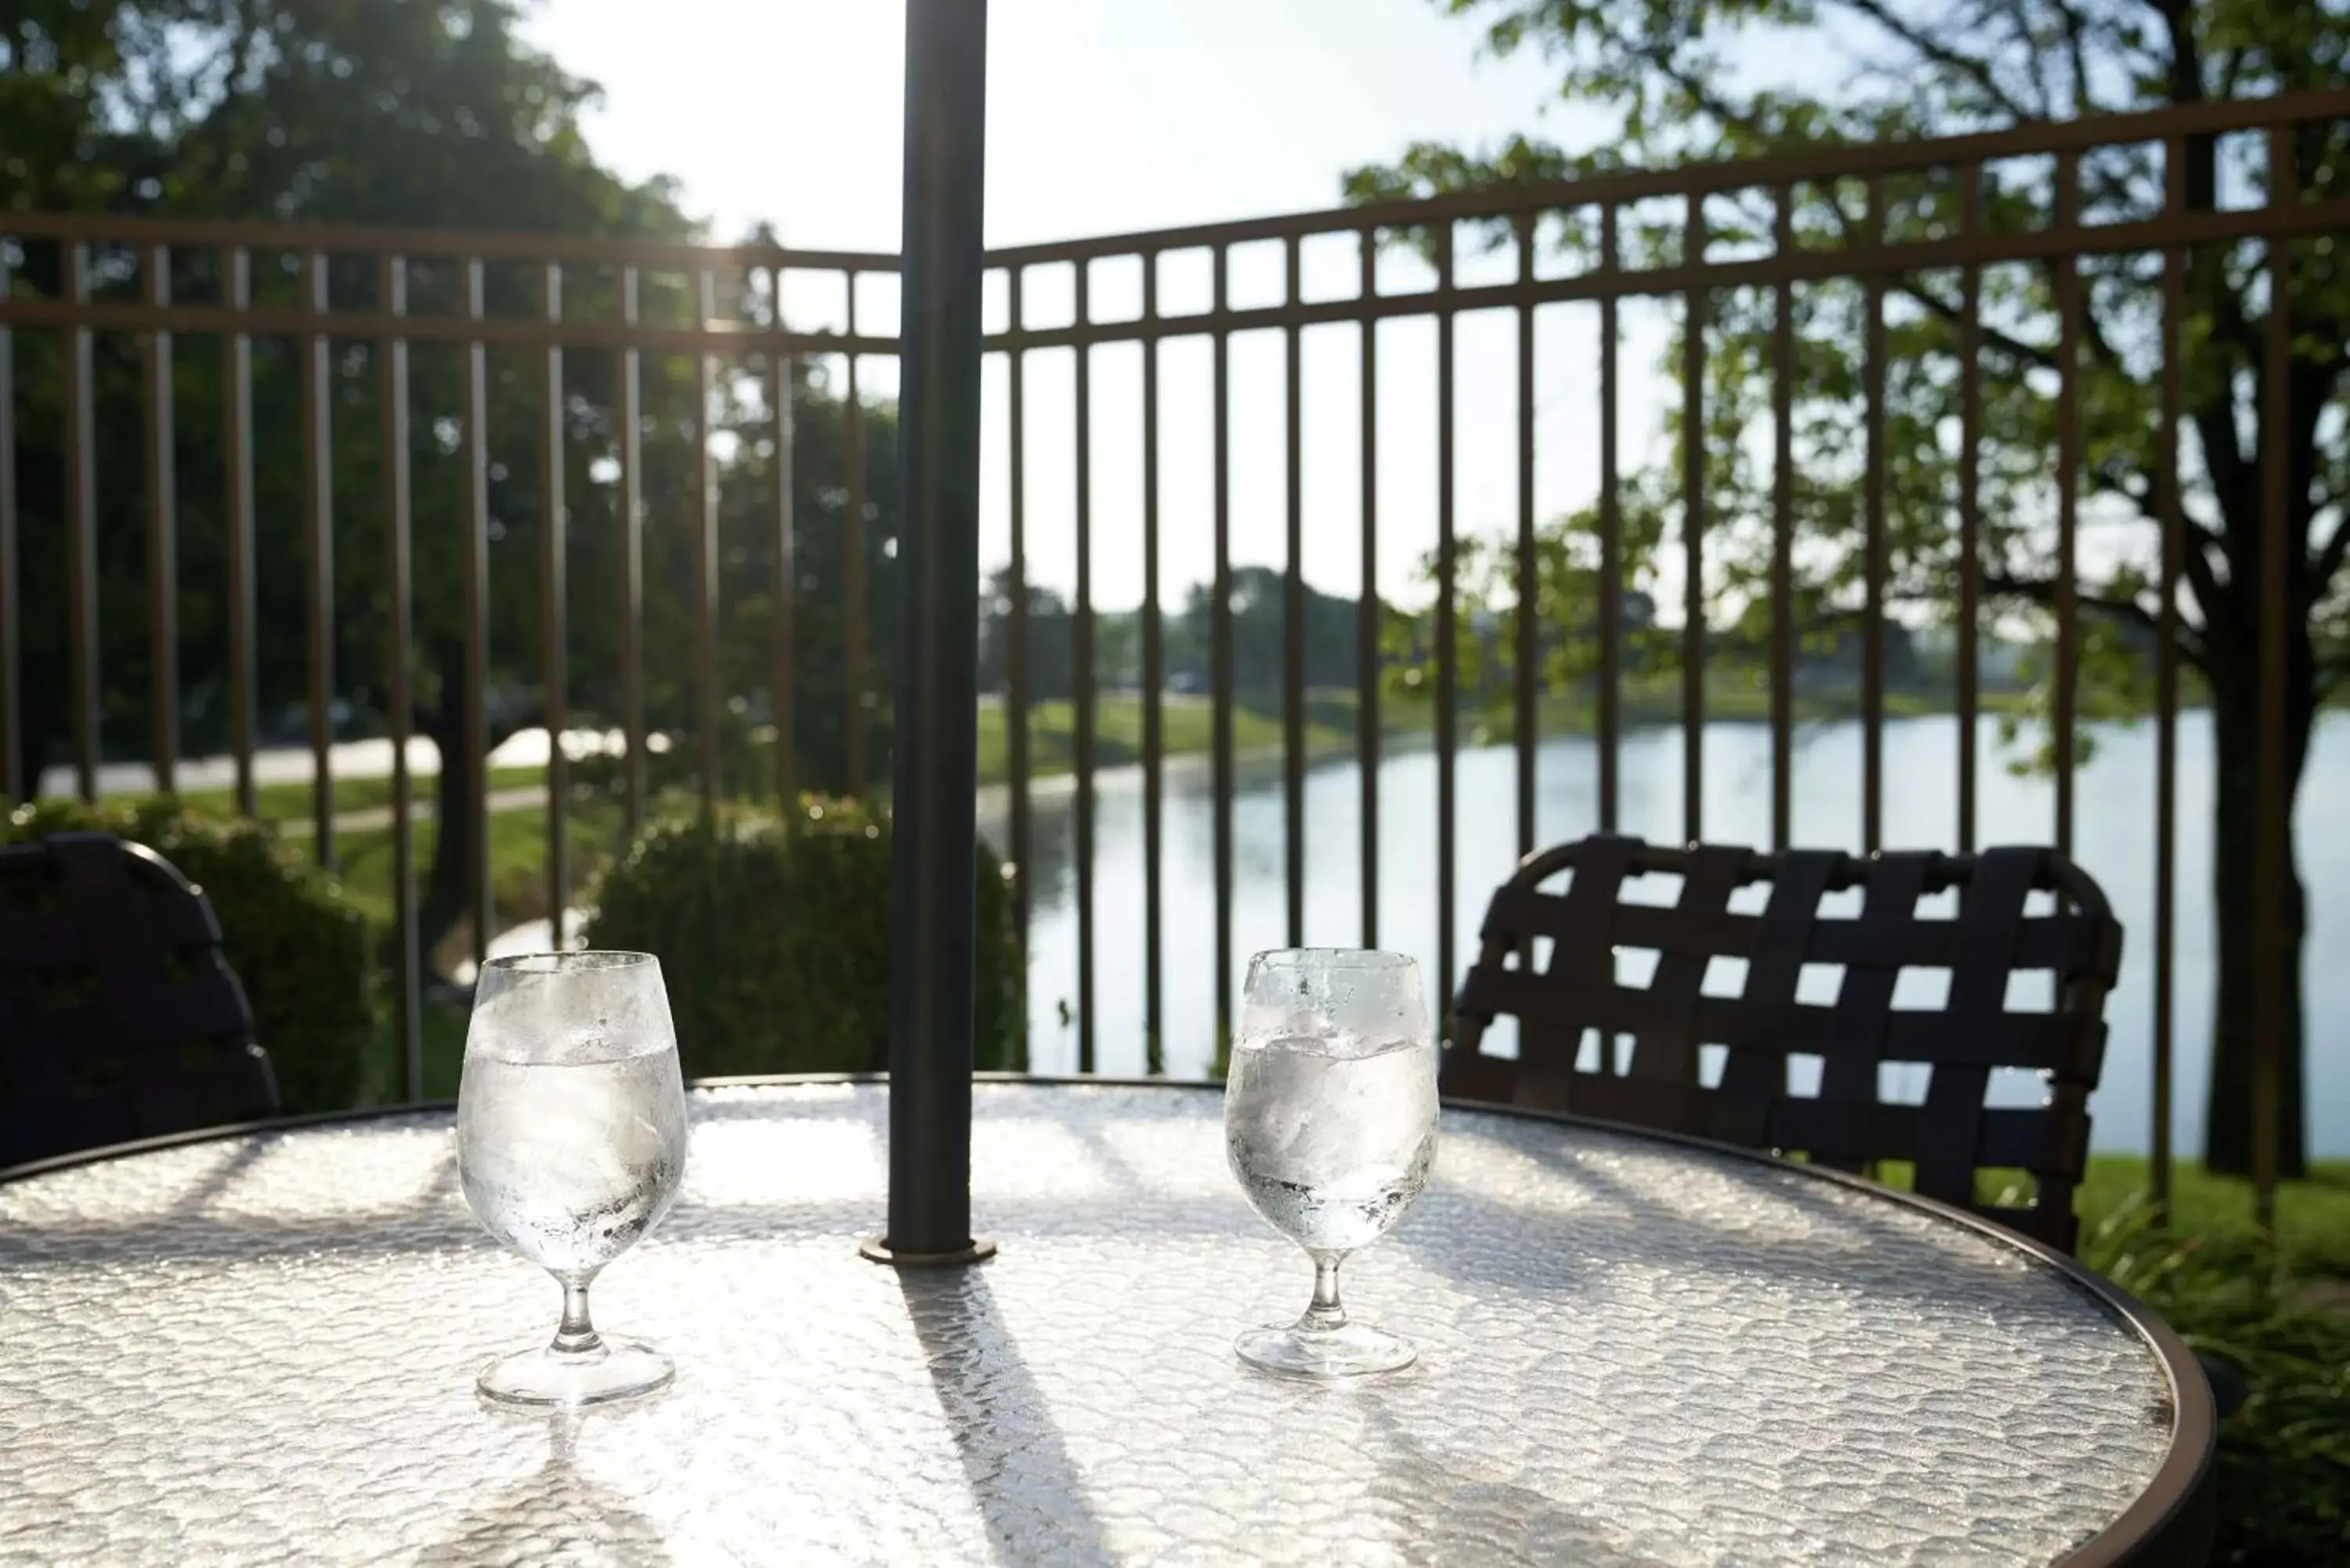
[{"x": 2115, "y": 840}]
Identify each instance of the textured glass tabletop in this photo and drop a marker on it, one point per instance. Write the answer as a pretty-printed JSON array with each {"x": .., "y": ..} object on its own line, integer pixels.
[{"x": 261, "y": 1349}]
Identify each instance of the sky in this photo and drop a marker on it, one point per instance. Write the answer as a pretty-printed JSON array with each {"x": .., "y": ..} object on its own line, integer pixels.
[
  {"x": 1109, "y": 115},
  {"x": 1103, "y": 115}
]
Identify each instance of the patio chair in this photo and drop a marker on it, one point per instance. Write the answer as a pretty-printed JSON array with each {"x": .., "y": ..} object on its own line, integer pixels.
[
  {"x": 1751, "y": 976},
  {"x": 119, "y": 1019}
]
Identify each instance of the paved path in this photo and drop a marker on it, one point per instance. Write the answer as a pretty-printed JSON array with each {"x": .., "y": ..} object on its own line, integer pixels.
[{"x": 419, "y": 809}]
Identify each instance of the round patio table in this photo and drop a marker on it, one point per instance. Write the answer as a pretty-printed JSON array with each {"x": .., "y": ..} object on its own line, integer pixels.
[{"x": 259, "y": 1347}]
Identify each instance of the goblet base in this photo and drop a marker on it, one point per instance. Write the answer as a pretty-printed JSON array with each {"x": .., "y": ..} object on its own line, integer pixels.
[
  {"x": 613, "y": 1369},
  {"x": 1349, "y": 1350}
]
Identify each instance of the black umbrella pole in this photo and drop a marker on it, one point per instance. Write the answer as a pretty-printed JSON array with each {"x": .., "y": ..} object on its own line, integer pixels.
[{"x": 936, "y": 753}]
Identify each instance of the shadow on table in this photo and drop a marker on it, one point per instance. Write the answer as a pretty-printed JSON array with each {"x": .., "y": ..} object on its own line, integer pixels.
[
  {"x": 1462, "y": 1517},
  {"x": 1659, "y": 1226},
  {"x": 557, "y": 1514},
  {"x": 243, "y": 1157},
  {"x": 1028, "y": 1491}
]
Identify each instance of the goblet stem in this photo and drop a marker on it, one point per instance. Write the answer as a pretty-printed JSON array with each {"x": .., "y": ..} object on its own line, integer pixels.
[
  {"x": 1325, "y": 1314},
  {"x": 576, "y": 1336}
]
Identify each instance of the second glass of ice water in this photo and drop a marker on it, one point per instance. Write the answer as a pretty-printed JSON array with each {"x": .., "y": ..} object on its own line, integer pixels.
[
  {"x": 571, "y": 1145},
  {"x": 1330, "y": 1126}
]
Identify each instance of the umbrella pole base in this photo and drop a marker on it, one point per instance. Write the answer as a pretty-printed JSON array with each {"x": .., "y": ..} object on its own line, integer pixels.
[{"x": 877, "y": 1249}]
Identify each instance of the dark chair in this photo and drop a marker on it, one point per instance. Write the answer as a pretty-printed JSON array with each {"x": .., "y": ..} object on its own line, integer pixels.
[
  {"x": 1549, "y": 959},
  {"x": 119, "y": 1017}
]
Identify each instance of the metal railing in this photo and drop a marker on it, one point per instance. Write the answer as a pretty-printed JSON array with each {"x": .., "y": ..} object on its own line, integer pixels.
[{"x": 722, "y": 347}]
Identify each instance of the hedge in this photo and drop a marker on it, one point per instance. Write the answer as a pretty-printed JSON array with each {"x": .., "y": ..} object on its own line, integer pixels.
[{"x": 774, "y": 938}]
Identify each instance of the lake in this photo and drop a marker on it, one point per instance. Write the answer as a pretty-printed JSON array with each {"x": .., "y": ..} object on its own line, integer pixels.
[{"x": 2115, "y": 841}]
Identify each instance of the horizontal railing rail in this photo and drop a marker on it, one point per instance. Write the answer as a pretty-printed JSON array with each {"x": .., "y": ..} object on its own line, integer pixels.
[{"x": 2216, "y": 117}]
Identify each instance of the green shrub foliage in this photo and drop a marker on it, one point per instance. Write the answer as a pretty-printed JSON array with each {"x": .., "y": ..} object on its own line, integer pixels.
[
  {"x": 774, "y": 938},
  {"x": 2284, "y": 1480}
]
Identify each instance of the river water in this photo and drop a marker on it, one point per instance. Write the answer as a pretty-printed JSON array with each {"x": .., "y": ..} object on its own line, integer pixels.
[{"x": 2115, "y": 839}]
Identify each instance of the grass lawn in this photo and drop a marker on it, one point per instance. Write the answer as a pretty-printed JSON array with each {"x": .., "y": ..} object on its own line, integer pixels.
[
  {"x": 289, "y": 803},
  {"x": 518, "y": 858},
  {"x": 2313, "y": 1227},
  {"x": 2313, "y": 1235},
  {"x": 2273, "y": 1326}
]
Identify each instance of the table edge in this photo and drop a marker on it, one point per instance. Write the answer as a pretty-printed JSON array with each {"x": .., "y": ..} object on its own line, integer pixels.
[{"x": 2163, "y": 1525}]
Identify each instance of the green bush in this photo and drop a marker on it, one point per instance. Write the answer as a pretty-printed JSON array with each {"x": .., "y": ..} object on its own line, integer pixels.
[
  {"x": 2284, "y": 1480},
  {"x": 774, "y": 941},
  {"x": 303, "y": 949}
]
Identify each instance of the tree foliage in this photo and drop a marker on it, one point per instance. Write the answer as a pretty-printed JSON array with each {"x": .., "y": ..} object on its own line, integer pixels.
[{"x": 420, "y": 115}]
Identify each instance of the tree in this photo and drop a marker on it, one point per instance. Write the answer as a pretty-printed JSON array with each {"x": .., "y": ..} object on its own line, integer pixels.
[
  {"x": 1878, "y": 69},
  {"x": 1326, "y": 637},
  {"x": 407, "y": 114},
  {"x": 1049, "y": 654},
  {"x": 394, "y": 113}
]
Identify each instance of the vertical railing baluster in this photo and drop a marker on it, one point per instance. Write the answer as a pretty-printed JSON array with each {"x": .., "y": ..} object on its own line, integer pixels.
[
  {"x": 1154, "y": 682},
  {"x": 554, "y": 587},
  {"x": 1448, "y": 653},
  {"x": 1693, "y": 524},
  {"x": 473, "y": 750},
  {"x": 1366, "y": 608},
  {"x": 13, "y": 781},
  {"x": 14, "y": 784},
  {"x": 1783, "y": 529},
  {"x": 1220, "y": 661},
  {"x": 318, "y": 531},
  {"x": 162, "y": 532},
  {"x": 2272, "y": 827},
  {"x": 706, "y": 702},
  {"x": 1081, "y": 679},
  {"x": 1528, "y": 583},
  {"x": 1293, "y": 619},
  {"x": 408, "y": 979},
  {"x": 1873, "y": 542},
  {"x": 236, "y": 465},
  {"x": 2166, "y": 486},
  {"x": 2068, "y": 266},
  {"x": 81, "y": 558},
  {"x": 632, "y": 560},
  {"x": 782, "y": 653},
  {"x": 1968, "y": 644},
  {"x": 854, "y": 662},
  {"x": 1015, "y": 646},
  {"x": 1611, "y": 535}
]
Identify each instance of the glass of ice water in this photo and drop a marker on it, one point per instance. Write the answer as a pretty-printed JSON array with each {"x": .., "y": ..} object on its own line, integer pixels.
[
  {"x": 571, "y": 1144},
  {"x": 1330, "y": 1126}
]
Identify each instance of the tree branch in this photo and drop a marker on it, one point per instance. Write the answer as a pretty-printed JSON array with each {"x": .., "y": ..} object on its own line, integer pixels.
[
  {"x": 2042, "y": 591},
  {"x": 2329, "y": 560},
  {"x": 1661, "y": 58},
  {"x": 2077, "y": 48},
  {"x": 2195, "y": 564},
  {"x": 1972, "y": 67},
  {"x": 1948, "y": 310}
]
